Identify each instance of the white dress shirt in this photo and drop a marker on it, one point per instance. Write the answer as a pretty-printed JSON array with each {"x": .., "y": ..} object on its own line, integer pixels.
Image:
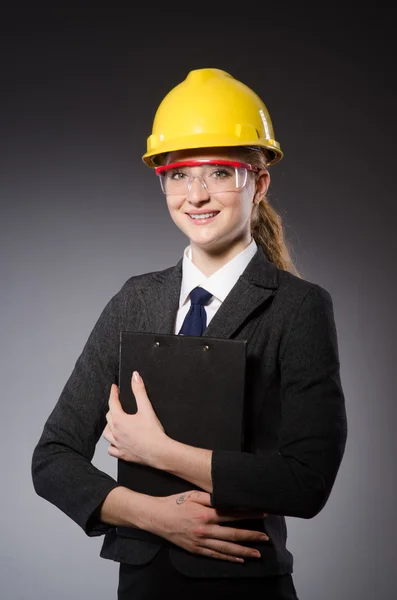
[{"x": 219, "y": 283}]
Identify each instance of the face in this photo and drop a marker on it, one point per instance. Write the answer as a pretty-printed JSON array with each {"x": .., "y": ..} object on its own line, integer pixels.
[{"x": 231, "y": 227}]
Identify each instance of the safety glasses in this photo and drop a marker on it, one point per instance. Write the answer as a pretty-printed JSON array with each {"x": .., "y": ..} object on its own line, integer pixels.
[{"x": 216, "y": 176}]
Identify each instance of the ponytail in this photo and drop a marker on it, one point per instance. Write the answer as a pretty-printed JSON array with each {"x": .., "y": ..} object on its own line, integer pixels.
[{"x": 266, "y": 224}]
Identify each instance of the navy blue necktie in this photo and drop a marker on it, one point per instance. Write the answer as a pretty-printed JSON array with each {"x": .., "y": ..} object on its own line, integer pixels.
[{"x": 196, "y": 319}]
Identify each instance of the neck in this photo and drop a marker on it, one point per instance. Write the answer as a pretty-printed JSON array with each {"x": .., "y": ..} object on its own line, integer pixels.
[{"x": 209, "y": 260}]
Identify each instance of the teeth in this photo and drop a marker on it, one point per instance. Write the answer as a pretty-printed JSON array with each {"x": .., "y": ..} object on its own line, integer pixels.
[{"x": 203, "y": 216}]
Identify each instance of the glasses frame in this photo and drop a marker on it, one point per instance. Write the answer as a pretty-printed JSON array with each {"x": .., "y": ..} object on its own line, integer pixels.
[{"x": 205, "y": 161}]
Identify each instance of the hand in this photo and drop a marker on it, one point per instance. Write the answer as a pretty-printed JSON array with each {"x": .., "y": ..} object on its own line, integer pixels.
[
  {"x": 190, "y": 521},
  {"x": 138, "y": 437}
]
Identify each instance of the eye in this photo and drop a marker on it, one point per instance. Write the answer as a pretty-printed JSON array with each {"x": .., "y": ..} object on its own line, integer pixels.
[
  {"x": 175, "y": 175},
  {"x": 221, "y": 173}
]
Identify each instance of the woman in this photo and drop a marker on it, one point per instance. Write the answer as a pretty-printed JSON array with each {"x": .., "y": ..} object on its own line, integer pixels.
[{"x": 211, "y": 146}]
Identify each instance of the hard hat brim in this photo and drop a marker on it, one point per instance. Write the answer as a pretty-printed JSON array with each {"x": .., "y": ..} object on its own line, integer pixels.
[{"x": 201, "y": 141}]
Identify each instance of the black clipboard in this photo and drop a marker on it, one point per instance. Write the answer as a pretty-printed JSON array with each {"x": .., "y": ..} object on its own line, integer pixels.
[{"x": 197, "y": 388}]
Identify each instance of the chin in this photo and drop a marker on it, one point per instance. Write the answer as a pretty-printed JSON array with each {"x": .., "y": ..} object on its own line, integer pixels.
[
  {"x": 200, "y": 236},
  {"x": 203, "y": 238},
  {"x": 214, "y": 243}
]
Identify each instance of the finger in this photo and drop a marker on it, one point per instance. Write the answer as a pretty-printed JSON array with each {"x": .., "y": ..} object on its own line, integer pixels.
[
  {"x": 220, "y": 556},
  {"x": 114, "y": 401},
  {"x": 108, "y": 435},
  {"x": 109, "y": 420},
  {"x": 139, "y": 390},
  {"x": 229, "y": 549},
  {"x": 113, "y": 451},
  {"x": 234, "y": 535}
]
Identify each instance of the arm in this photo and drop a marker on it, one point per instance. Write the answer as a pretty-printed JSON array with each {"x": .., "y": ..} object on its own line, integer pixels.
[
  {"x": 62, "y": 471},
  {"x": 125, "y": 507},
  {"x": 297, "y": 478},
  {"x": 141, "y": 438},
  {"x": 64, "y": 475},
  {"x": 187, "y": 462}
]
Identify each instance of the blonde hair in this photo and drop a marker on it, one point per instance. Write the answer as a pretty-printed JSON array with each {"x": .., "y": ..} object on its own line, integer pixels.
[{"x": 267, "y": 227}]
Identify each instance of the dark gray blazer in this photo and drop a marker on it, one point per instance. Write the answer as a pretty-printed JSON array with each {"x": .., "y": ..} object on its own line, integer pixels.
[{"x": 297, "y": 423}]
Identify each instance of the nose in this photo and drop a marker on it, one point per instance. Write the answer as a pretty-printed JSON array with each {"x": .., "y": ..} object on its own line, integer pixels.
[{"x": 197, "y": 192}]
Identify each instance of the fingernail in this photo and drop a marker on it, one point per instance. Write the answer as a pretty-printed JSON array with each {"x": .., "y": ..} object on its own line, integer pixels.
[
  {"x": 264, "y": 537},
  {"x": 136, "y": 376}
]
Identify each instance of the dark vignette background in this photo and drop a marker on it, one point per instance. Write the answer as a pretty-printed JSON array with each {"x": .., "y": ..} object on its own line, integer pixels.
[{"x": 80, "y": 214}]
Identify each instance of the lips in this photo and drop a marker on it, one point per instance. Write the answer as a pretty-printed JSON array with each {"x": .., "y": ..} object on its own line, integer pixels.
[
  {"x": 196, "y": 216},
  {"x": 203, "y": 212},
  {"x": 203, "y": 219}
]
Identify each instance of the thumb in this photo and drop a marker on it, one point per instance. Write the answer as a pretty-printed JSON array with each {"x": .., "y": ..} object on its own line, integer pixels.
[
  {"x": 139, "y": 390},
  {"x": 114, "y": 401}
]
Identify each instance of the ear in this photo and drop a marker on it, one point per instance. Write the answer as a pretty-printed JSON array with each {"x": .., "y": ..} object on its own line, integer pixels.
[{"x": 262, "y": 185}]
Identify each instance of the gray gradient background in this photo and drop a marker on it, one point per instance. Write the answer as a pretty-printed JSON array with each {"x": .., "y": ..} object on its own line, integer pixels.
[{"x": 80, "y": 214}]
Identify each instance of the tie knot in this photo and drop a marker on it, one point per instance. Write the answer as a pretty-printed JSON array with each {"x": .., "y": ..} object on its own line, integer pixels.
[{"x": 200, "y": 296}]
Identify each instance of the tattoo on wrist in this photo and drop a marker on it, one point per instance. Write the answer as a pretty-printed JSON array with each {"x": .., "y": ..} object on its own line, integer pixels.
[{"x": 181, "y": 499}]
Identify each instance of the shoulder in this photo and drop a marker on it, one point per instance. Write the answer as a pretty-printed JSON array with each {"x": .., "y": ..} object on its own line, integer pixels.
[
  {"x": 298, "y": 287},
  {"x": 128, "y": 299},
  {"x": 143, "y": 281},
  {"x": 305, "y": 309},
  {"x": 298, "y": 296},
  {"x": 136, "y": 285}
]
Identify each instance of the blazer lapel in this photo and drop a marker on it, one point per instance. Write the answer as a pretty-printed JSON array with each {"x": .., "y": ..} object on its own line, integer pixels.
[
  {"x": 162, "y": 299},
  {"x": 255, "y": 285}
]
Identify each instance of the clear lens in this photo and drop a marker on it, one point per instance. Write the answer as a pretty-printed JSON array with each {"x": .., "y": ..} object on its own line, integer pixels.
[{"x": 214, "y": 178}]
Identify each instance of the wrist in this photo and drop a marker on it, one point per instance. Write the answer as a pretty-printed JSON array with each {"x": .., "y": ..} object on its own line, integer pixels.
[
  {"x": 151, "y": 515},
  {"x": 125, "y": 507},
  {"x": 162, "y": 452}
]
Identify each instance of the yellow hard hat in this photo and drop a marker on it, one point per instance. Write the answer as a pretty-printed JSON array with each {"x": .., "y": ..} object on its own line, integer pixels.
[{"x": 210, "y": 108}]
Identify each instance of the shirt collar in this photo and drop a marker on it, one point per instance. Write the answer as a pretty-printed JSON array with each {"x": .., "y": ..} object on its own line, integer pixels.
[{"x": 219, "y": 283}]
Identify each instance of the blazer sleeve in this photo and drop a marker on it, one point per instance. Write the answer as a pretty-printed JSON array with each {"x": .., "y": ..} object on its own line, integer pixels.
[
  {"x": 62, "y": 471},
  {"x": 296, "y": 478}
]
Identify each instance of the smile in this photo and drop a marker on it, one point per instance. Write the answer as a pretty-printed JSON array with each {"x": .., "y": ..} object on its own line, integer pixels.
[{"x": 203, "y": 218}]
